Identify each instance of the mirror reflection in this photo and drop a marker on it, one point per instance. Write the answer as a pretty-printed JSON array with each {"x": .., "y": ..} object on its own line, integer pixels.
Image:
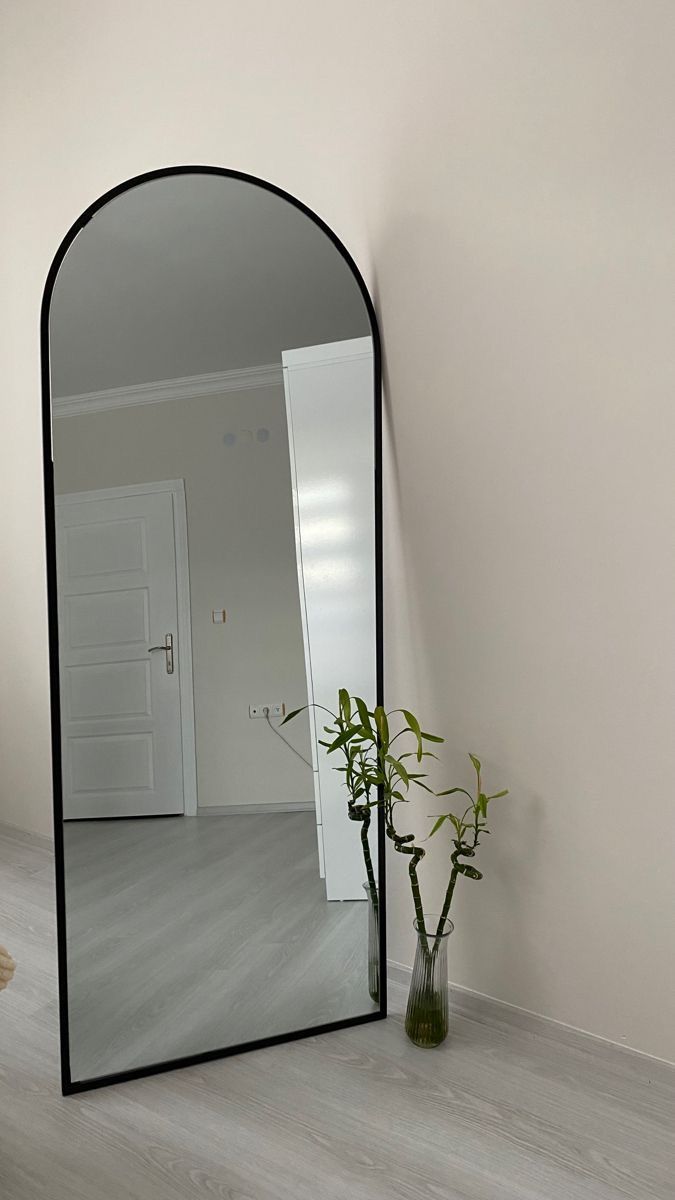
[{"x": 213, "y": 396}]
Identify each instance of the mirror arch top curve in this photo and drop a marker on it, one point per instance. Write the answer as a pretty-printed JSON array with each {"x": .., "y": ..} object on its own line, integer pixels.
[{"x": 211, "y": 377}]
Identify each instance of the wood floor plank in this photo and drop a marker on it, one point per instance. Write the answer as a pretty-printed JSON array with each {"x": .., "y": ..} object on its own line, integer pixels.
[
  {"x": 498, "y": 1113},
  {"x": 187, "y": 936}
]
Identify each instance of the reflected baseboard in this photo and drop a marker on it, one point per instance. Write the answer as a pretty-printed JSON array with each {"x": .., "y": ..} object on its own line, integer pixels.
[{"x": 242, "y": 810}]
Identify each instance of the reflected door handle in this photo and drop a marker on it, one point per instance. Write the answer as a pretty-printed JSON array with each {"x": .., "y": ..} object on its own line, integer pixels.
[{"x": 168, "y": 650}]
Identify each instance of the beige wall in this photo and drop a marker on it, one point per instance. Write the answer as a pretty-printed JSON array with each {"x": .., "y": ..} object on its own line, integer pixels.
[
  {"x": 241, "y": 545},
  {"x": 503, "y": 172}
]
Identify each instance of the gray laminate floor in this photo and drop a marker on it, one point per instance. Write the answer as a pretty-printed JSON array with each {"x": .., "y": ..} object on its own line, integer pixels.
[
  {"x": 498, "y": 1113},
  {"x": 187, "y": 935}
]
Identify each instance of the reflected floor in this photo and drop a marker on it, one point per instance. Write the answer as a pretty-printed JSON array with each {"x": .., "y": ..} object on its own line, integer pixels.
[{"x": 192, "y": 934}]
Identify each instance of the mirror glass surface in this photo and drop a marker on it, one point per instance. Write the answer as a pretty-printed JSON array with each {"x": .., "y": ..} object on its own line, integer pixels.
[{"x": 213, "y": 398}]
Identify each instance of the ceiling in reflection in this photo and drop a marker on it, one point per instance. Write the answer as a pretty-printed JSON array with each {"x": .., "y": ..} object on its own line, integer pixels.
[{"x": 146, "y": 293}]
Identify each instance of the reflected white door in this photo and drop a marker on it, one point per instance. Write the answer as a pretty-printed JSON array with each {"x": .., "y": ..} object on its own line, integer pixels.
[{"x": 120, "y": 706}]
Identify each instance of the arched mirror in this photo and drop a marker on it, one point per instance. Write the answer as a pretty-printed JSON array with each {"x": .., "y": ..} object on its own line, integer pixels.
[{"x": 212, "y": 463}]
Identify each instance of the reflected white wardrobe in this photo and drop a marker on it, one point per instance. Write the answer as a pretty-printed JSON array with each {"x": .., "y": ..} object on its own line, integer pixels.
[{"x": 328, "y": 388}]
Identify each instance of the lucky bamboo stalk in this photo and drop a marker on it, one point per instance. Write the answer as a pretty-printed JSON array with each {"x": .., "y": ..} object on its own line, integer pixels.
[{"x": 375, "y": 776}]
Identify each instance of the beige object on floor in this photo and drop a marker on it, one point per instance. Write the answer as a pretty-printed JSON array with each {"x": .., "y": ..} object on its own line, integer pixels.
[{"x": 7, "y": 967}]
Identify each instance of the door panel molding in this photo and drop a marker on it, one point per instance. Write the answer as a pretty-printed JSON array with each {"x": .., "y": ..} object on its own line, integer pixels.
[{"x": 176, "y": 489}]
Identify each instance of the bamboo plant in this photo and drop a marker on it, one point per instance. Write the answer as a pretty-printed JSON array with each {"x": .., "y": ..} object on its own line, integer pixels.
[
  {"x": 366, "y": 740},
  {"x": 468, "y": 830},
  {"x": 377, "y": 773},
  {"x": 374, "y": 776},
  {"x": 360, "y": 803},
  {"x": 360, "y": 787}
]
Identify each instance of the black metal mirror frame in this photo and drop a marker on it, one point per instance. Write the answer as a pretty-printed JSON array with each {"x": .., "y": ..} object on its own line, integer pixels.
[{"x": 70, "y": 1086}]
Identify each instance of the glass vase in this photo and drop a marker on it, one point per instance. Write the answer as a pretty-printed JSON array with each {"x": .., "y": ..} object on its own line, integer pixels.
[
  {"x": 373, "y": 941},
  {"x": 426, "y": 1018}
]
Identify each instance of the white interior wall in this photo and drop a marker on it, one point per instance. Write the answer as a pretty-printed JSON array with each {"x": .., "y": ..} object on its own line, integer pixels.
[
  {"x": 503, "y": 174},
  {"x": 241, "y": 544}
]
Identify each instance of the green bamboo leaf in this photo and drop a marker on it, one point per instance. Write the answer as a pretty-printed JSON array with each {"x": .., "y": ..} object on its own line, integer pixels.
[
  {"x": 423, "y": 785},
  {"x": 413, "y": 754},
  {"x": 476, "y": 763},
  {"x": 412, "y": 721},
  {"x": 344, "y": 703},
  {"x": 437, "y": 826},
  {"x": 344, "y": 737},
  {"x": 431, "y": 737},
  {"x": 398, "y": 767},
  {"x": 496, "y": 795},
  {"x": 415, "y": 728},
  {"x": 451, "y": 792},
  {"x": 289, "y": 716},
  {"x": 382, "y": 726},
  {"x": 364, "y": 714}
]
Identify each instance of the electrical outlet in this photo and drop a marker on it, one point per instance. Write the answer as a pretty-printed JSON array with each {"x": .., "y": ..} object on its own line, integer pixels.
[{"x": 257, "y": 711}]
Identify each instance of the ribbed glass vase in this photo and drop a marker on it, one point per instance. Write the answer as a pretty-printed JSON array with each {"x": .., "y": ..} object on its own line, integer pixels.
[
  {"x": 426, "y": 1018},
  {"x": 373, "y": 941}
]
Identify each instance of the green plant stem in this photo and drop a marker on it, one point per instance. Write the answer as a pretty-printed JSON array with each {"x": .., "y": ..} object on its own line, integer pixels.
[
  {"x": 417, "y": 854},
  {"x": 466, "y": 852},
  {"x": 402, "y": 843},
  {"x": 361, "y": 813},
  {"x": 370, "y": 874},
  {"x": 448, "y": 900}
]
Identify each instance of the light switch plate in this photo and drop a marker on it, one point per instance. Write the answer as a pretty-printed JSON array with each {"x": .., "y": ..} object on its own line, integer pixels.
[{"x": 218, "y": 616}]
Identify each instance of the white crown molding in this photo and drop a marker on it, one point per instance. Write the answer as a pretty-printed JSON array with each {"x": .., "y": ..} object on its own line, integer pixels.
[{"x": 270, "y": 375}]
